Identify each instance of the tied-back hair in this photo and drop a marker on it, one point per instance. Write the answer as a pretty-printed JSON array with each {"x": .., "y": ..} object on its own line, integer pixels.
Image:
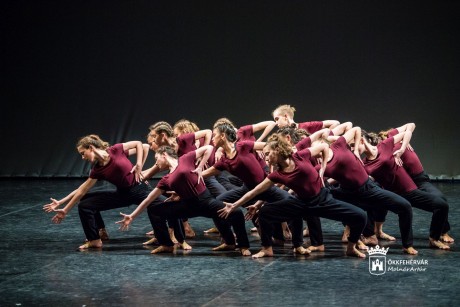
[
  {"x": 371, "y": 137},
  {"x": 228, "y": 130},
  {"x": 223, "y": 120},
  {"x": 283, "y": 148},
  {"x": 92, "y": 139},
  {"x": 185, "y": 126},
  {"x": 162, "y": 127},
  {"x": 383, "y": 135},
  {"x": 295, "y": 134},
  {"x": 285, "y": 109},
  {"x": 168, "y": 150}
]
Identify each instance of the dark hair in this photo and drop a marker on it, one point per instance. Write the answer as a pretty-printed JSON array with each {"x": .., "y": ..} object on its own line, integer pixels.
[
  {"x": 295, "y": 134},
  {"x": 371, "y": 137},
  {"x": 162, "y": 127},
  {"x": 168, "y": 150},
  {"x": 228, "y": 130}
]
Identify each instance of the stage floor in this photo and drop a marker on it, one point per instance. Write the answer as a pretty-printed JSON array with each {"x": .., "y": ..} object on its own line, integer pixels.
[{"x": 40, "y": 264}]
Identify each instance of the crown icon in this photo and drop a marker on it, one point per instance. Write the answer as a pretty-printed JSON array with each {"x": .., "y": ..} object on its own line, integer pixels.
[{"x": 378, "y": 250}]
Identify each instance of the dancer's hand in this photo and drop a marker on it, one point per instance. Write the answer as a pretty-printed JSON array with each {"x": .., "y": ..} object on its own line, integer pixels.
[
  {"x": 225, "y": 211},
  {"x": 173, "y": 196},
  {"x": 397, "y": 154},
  {"x": 125, "y": 222},
  {"x": 60, "y": 215},
  {"x": 51, "y": 206},
  {"x": 198, "y": 171},
  {"x": 252, "y": 211},
  {"x": 137, "y": 170}
]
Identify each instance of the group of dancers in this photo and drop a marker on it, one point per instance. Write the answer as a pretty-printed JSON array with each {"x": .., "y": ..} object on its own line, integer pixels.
[{"x": 291, "y": 174}]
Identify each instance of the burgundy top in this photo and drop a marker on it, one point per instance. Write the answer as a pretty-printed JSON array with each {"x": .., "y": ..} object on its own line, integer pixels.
[
  {"x": 345, "y": 167},
  {"x": 186, "y": 143},
  {"x": 304, "y": 180},
  {"x": 311, "y": 127},
  {"x": 411, "y": 162},
  {"x": 118, "y": 170},
  {"x": 244, "y": 164},
  {"x": 303, "y": 144},
  {"x": 385, "y": 170},
  {"x": 182, "y": 180},
  {"x": 246, "y": 133}
]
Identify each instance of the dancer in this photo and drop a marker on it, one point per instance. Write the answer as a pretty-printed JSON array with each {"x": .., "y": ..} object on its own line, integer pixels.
[
  {"x": 383, "y": 162},
  {"x": 296, "y": 172},
  {"x": 195, "y": 199},
  {"x": 414, "y": 168},
  {"x": 110, "y": 163},
  {"x": 355, "y": 187}
]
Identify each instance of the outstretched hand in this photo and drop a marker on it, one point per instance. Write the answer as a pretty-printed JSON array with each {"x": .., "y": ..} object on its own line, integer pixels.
[
  {"x": 225, "y": 211},
  {"x": 124, "y": 223},
  {"x": 60, "y": 215},
  {"x": 252, "y": 211},
  {"x": 51, "y": 206}
]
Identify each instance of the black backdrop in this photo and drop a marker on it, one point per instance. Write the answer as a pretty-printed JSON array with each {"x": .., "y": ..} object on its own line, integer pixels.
[{"x": 115, "y": 67}]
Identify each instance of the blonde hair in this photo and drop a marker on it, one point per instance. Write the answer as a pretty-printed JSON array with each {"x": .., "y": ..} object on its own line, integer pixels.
[
  {"x": 185, "y": 126},
  {"x": 284, "y": 109},
  {"x": 283, "y": 148},
  {"x": 92, "y": 139}
]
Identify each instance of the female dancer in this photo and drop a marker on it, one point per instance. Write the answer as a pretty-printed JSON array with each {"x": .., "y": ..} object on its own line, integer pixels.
[
  {"x": 355, "y": 187},
  {"x": 195, "y": 199},
  {"x": 414, "y": 168},
  {"x": 284, "y": 117},
  {"x": 239, "y": 159},
  {"x": 383, "y": 162},
  {"x": 295, "y": 171},
  {"x": 112, "y": 164}
]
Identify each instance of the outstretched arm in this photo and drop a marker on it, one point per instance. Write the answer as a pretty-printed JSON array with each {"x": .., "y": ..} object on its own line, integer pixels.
[
  {"x": 342, "y": 128},
  {"x": 77, "y": 195},
  {"x": 128, "y": 218},
  {"x": 330, "y": 123},
  {"x": 260, "y": 188}
]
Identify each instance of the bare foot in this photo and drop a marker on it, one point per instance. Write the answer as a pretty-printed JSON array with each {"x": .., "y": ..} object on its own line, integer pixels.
[
  {"x": 91, "y": 244},
  {"x": 346, "y": 233},
  {"x": 103, "y": 234},
  {"x": 152, "y": 241},
  {"x": 149, "y": 234},
  {"x": 185, "y": 246},
  {"x": 189, "y": 233},
  {"x": 306, "y": 233},
  {"x": 211, "y": 230},
  {"x": 410, "y": 250},
  {"x": 362, "y": 246},
  {"x": 245, "y": 252},
  {"x": 171, "y": 235},
  {"x": 353, "y": 252},
  {"x": 264, "y": 252},
  {"x": 302, "y": 251},
  {"x": 446, "y": 238},
  {"x": 438, "y": 244},
  {"x": 163, "y": 249},
  {"x": 318, "y": 248},
  {"x": 224, "y": 247},
  {"x": 372, "y": 240},
  {"x": 384, "y": 236}
]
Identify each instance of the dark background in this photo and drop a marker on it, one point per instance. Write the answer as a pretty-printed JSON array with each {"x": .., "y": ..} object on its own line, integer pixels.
[{"x": 115, "y": 67}]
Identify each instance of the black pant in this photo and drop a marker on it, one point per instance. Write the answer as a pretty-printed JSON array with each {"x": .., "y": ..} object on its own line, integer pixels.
[
  {"x": 322, "y": 205},
  {"x": 203, "y": 205},
  {"x": 370, "y": 197},
  {"x": 93, "y": 203},
  {"x": 273, "y": 194}
]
